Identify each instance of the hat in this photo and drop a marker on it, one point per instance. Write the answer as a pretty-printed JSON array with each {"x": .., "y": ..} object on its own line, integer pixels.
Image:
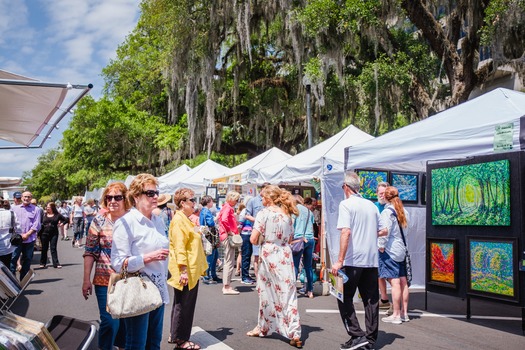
[
  {"x": 163, "y": 199},
  {"x": 17, "y": 195}
]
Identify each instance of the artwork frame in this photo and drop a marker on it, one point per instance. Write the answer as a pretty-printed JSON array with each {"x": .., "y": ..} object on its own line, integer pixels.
[
  {"x": 458, "y": 192},
  {"x": 407, "y": 184},
  {"x": 307, "y": 193},
  {"x": 369, "y": 180},
  {"x": 424, "y": 189},
  {"x": 493, "y": 251},
  {"x": 212, "y": 192},
  {"x": 439, "y": 272}
]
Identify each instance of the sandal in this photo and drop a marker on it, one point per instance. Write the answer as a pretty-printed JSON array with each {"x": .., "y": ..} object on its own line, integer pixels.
[
  {"x": 186, "y": 344},
  {"x": 296, "y": 342},
  {"x": 256, "y": 332}
]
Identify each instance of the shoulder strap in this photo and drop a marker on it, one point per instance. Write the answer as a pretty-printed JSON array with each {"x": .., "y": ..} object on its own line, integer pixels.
[
  {"x": 306, "y": 224},
  {"x": 12, "y": 229},
  {"x": 400, "y": 228}
]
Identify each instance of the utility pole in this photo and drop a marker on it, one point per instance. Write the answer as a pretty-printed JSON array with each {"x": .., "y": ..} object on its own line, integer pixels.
[{"x": 309, "y": 115}]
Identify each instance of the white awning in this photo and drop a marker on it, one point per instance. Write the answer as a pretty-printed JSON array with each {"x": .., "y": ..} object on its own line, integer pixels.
[{"x": 31, "y": 109}]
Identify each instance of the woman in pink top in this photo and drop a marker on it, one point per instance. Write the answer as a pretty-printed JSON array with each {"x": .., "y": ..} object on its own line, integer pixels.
[{"x": 228, "y": 227}]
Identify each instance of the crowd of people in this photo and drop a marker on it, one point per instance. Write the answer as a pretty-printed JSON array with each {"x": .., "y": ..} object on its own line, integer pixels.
[{"x": 134, "y": 229}]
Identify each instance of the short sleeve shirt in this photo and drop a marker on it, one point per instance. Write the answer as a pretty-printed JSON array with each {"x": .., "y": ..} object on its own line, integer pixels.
[{"x": 362, "y": 218}]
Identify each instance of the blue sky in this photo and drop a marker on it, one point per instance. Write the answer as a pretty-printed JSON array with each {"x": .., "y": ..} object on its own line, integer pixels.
[{"x": 60, "y": 41}]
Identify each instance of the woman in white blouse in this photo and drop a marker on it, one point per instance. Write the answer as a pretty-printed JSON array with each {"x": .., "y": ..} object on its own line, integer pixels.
[{"x": 140, "y": 242}]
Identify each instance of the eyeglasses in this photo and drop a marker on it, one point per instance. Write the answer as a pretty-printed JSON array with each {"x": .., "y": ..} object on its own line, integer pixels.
[
  {"x": 151, "y": 193},
  {"x": 192, "y": 200},
  {"x": 117, "y": 198},
  {"x": 344, "y": 185}
]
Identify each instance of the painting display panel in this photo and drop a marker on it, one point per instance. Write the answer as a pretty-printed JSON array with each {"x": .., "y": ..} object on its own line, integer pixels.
[
  {"x": 369, "y": 181},
  {"x": 473, "y": 194},
  {"x": 492, "y": 270},
  {"x": 407, "y": 185},
  {"x": 442, "y": 264}
]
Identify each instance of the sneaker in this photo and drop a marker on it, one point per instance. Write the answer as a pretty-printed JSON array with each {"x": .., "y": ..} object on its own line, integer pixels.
[
  {"x": 217, "y": 279},
  {"x": 392, "y": 319},
  {"x": 383, "y": 305},
  {"x": 354, "y": 343},
  {"x": 208, "y": 280},
  {"x": 405, "y": 318},
  {"x": 302, "y": 291},
  {"x": 390, "y": 310},
  {"x": 247, "y": 281}
]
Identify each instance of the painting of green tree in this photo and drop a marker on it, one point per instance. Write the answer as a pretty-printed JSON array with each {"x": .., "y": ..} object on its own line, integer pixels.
[
  {"x": 491, "y": 267},
  {"x": 369, "y": 181},
  {"x": 475, "y": 194}
]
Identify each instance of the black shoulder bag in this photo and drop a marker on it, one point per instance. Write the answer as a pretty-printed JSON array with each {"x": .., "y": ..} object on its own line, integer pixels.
[
  {"x": 16, "y": 238},
  {"x": 408, "y": 263}
]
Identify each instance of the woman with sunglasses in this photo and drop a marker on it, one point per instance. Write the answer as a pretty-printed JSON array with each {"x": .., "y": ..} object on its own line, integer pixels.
[
  {"x": 98, "y": 253},
  {"x": 140, "y": 244},
  {"x": 187, "y": 264}
]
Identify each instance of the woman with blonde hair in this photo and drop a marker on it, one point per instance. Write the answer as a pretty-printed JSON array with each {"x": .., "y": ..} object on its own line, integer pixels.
[
  {"x": 276, "y": 275},
  {"x": 228, "y": 227},
  {"x": 140, "y": 244},
  {"x": 187, "y": 264},
  {"x": 391, "y": 244},
  {"x": 98, "y": 253},
  {"x": 77, "y": 220}
]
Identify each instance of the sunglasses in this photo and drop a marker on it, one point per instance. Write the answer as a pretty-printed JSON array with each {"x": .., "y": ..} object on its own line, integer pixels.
[
  {"x": 151, "y": 193},
  {"x": 117, "y": 198},
  {"x": 192, "y": 200}
]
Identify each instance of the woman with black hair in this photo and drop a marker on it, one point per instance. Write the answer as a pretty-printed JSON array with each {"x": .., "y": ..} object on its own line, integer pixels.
[{"x": 49, "y": 234}]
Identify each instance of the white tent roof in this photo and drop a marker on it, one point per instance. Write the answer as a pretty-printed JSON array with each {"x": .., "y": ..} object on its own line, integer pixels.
[
  {"x": 31, "y": 108},
  {"x": 174, "y": 175},
  {"x": 464, "y": 130},
  {"x": 322, "y": 159},
  {"x": 247, "y": 172},
  {"x": 197, "y": 178}
]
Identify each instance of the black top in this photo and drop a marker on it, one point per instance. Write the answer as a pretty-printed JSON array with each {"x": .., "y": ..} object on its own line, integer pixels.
[{"x": 50, "y": 224}]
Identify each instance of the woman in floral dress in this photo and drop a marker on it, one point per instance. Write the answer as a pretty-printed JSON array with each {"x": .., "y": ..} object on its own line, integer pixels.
[{"x": 276, "y": 277}]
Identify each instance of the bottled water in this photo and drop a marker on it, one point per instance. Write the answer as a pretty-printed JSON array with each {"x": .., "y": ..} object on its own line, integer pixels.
[{"x": 343, "y": 275}]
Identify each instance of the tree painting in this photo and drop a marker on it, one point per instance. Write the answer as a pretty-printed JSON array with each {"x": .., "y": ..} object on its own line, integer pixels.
[
  {"x": 475, "y": 194},
  {"x": 491, "y": 267},
  {"x": 369, "y": 181},
  {"x": 406, "y": 184},
  {"x": 442, "y": 262}
]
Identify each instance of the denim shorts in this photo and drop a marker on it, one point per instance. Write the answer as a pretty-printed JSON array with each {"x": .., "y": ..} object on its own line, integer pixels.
[{"x": 389, "y": 268}]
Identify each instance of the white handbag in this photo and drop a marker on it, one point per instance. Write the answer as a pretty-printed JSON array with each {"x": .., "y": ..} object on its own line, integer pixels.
[
  {"x": 235, "y": 241},
  {"x": 131, "y": 294}
]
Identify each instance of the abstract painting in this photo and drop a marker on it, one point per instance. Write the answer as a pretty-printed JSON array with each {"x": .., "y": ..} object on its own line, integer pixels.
[
  {"x": 407, "y": 185},
  {"x": 369, "y": 181},
  {"x": 442, "y": 262},
  {"x": 492, "y": 269}
]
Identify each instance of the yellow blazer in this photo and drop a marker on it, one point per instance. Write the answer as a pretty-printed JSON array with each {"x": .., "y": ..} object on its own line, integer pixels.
[{"x": 185, "y": 249}]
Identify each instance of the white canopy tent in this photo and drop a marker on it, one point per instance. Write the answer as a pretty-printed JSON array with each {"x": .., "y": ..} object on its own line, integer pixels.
[
  {"x": 31, "y": 109},
  {"x": 462, "y": 131},
  {"x": 196, "y": 179},
  {"x": 174, "y": 175},
  {"x": 248, "y": 172},
  {"x": 322, "y": 159}
]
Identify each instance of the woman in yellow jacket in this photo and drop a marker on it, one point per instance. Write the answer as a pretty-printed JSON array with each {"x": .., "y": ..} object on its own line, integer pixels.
[{"x": 187, "y": 263}]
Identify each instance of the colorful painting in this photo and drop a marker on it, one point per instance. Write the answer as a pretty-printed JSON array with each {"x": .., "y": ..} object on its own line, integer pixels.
[
  {"x": 407, "y": 185},
  {"x": 369, "y": 181},
  {"x": 492, "y": 269},
  {"x": 474, "y": 194},
  {"x": 442, "y": 265}
]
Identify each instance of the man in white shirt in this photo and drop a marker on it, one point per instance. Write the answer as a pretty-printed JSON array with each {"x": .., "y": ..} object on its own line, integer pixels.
[{"x": 358, "y": 258}]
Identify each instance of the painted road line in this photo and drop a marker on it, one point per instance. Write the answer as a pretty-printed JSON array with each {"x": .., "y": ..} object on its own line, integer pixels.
[
  {"x": 206, "y": 340},
  {"x": 418, "y": 313}
]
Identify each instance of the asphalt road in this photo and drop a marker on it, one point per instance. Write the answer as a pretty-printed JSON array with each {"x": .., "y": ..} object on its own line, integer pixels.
[{"x": 221, "y": 322}]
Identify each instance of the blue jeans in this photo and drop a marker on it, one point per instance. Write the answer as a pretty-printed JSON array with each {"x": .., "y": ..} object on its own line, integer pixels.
[
  {"x": 145, "y": 331},
  {"x": 307, "y": 256},
  {"x": 212, "y": 263},
  {"x": 246, "y": 256},
  {"x": 109, "y": 327},
  {"x": 26, "y": 251}
]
